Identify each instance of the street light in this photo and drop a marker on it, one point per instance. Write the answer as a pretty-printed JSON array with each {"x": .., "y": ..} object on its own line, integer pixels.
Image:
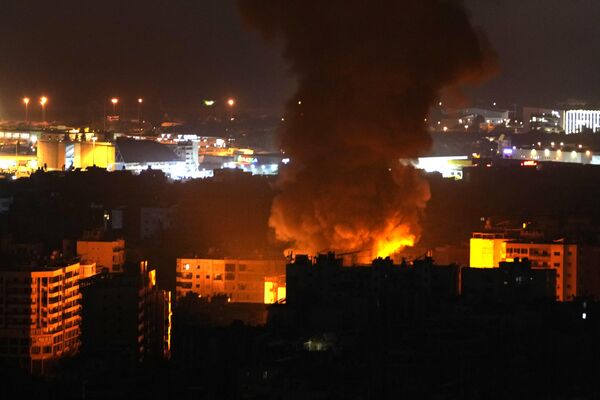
[
  {"x": 26, "y": 102},
  {"x": 231, "y": 103},
  {"x": 43, "y": 101},
  {"x": 140, "y": 101},
  {"x": 114, "y": 102}
]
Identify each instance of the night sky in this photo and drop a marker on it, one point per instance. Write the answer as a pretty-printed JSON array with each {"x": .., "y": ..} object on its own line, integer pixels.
[{"x": 176, "y": 53}]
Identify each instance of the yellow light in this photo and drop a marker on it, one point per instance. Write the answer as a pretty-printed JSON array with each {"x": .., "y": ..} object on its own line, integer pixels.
[
  {"x": 43, "y": 100},
  {"x": 26, "y": 100},
  {"x": 140, "y": 100},
  {"x": 114, "y": 100},
  {"x": 231, "y": 102},
  {"x": 391, "y": 245}
]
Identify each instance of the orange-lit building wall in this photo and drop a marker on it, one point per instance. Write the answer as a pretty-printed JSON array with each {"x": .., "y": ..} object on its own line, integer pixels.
[
  {"x": 51, "y": 154},
  {"x": 243, "y": 281},
  {"x": 41, "y": 315},
  {"x": 106, "y": 254},
  {"x": 486, "y": 252},
  {"x": 100, "y": 154}
]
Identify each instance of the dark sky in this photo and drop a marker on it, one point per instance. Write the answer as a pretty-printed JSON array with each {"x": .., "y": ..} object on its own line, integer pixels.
[{"x": 175, "y": 53}]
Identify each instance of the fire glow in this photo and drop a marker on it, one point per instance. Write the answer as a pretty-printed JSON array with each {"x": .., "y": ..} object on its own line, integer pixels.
[{"x": 360, "y": 107}]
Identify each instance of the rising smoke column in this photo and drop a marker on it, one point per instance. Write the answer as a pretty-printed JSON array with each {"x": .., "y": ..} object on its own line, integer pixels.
[{"x": 368, "y": 72}]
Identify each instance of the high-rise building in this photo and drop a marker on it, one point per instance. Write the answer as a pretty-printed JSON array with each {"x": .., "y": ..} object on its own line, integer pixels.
[
  {"x": 126, "y": 316},
  {"x": 39, "y": 314},
  {"x": 243, "y": 281}
]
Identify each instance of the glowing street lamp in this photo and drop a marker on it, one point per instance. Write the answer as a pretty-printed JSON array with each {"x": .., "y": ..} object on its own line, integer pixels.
[
  {"x": 114, "y": 102},
  {"x": 231, "y": 103},
  {"x": 26, "y": 102},
  {"x": 140, "y": 101},
  {"x": 43, "y": 101}
]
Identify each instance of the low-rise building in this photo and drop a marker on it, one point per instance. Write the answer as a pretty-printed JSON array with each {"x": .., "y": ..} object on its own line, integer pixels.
[
  {"x": 243, "y": 281},
  {"x": 107, "y": 254}
]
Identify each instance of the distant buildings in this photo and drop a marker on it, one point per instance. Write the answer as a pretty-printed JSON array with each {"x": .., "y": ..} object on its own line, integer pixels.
[
  {"x": 242, "y": 281},
  {"x": 40, "y": 313},
  {"x": 577, "y": 121}
]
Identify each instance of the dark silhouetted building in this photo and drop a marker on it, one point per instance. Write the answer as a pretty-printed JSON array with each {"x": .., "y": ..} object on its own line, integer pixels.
[{"x": 126, "y": 316}]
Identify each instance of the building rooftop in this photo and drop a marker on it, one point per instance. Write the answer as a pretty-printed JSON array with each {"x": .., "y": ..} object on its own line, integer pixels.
[{"x": 144, "y": 151}]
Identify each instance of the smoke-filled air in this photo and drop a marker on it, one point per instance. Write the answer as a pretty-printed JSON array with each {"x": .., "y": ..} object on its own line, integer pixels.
[{"x": 368, "y": 71}]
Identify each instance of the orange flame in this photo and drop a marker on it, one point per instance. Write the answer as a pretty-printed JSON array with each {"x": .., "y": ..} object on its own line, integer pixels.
[{"x": 393, "y": 240}]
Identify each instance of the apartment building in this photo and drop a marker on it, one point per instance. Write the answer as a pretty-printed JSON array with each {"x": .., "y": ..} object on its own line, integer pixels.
[
  {"x": 39, "y": 314},
  {"x": 243, "y": 281},
  {"x": 107, "y": 254}
]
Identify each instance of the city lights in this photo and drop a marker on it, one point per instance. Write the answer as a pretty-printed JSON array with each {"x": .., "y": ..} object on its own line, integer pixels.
[{"x": 43, "y": 102}]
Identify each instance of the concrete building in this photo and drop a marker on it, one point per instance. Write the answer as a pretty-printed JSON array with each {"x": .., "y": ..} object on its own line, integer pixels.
[
  {"x": 514, "y": 281},
  {"x": 577, "y": 266},
  {"x": 487, "y": 249},
  {"x": 107, "y": 254},
  {"x": 58, "y": 155},
  {"x": 139, "y": 155},
  {"x": 577, "y": 121},
  {"x": 572, "y": 263},
  {"x": 126, "y": 316},
  {"x": 39, "y": 314},
  {"x": 243, "y": 281}
]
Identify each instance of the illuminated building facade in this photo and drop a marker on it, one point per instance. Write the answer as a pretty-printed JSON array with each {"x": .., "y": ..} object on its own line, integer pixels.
[
  {"x": 107, "y": 254},
  {"x": 56, "y": 155},
  {"x": 552, "y": 155},
  {"x": 40, "y": 315},
  {"x": 126, "y": 316},
  {"x": 577, "y": 121},
  {"x": 576, "y": 265},
  {"x": 243, "y": 281},
  {"x": 487, "y": 250},
  {"x": 558, "y": 256}
]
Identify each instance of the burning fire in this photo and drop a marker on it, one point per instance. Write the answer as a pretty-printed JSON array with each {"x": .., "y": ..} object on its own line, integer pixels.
[{"x": 393, "y": 240}]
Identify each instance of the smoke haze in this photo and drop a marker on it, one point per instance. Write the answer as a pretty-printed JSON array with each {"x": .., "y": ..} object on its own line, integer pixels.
[{"x": 367, "y": 72}]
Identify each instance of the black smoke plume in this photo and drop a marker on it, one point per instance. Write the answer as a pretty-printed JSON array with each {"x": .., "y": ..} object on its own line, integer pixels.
[{"x": 368, "y": 72}]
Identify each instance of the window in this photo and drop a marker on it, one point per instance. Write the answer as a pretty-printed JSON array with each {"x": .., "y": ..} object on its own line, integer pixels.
[
  {"x": 229, "y": 267},
  {"x": 229, "y": 276},
  {"x": 218, "y": 277},
  {"x": 556, "y": 265},
  {"x": 557, "y": 253},
  {"x": 242, "y": 267}
]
